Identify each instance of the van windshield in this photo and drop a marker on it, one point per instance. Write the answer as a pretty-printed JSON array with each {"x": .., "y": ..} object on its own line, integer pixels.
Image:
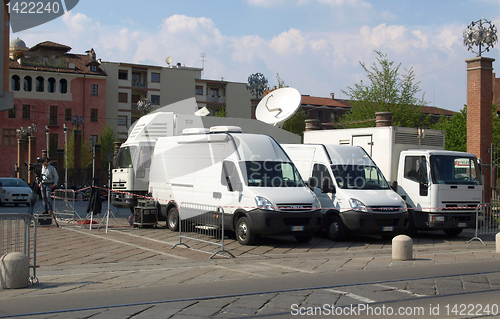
[
  {"x": 462, "y": 170},
  {"x": 271, "y": 174},
  {"x": 124, "y": 157},
  {"x": 359, "y": 177}
]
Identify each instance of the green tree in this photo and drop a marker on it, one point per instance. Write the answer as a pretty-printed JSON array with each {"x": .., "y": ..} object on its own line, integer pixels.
[
  {"x": 107, "y": 139},
  {"x": 86, "y": 158},
  {"x": 257, "y": 84},
  {"x": 221, "y": 112},
  {"x": 387, "y": 90},
  {"x": 456, "y": 130}
]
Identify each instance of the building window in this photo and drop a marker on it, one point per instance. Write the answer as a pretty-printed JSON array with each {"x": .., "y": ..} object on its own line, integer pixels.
[
  {"x": 122, "y": 75},
  {"x": 155, "y": 100},
  {"x": 199, "y": 90},
  {"x": 9, "y": 137},
  {"x": 39, "y": 84},
  {"x": 51, "y": 85},
  {"x": 93, "y": 89},
  {"x": 67, "y": 115},
  {"x": 123, "y": 97},
  {"x": 16, "y": 83},
  {"x": 12, "y": 113},
  {"x": 53, "y": 115},
  {"x": 155, "y": 77},
  {"x": 26, "y": 114},
  {"x": 93, "y": 140},
  {"x": 93, "y": 68},
  {"x": 63, "y": 86},
  {"x": 93, "y": 115},
  {"x": 122, "y": 120},
  {"x": 27, "y": 83}
]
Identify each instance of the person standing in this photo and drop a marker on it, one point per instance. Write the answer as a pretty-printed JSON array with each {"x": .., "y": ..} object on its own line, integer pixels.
[{"x": 49, "y": 181}]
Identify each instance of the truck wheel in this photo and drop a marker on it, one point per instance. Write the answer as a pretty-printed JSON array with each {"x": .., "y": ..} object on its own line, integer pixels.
[
  {"x": 336, "y": 229},
  {"x": 303, "y": 239},
  {"x": 173, "y": 219},
  {"x": 453, "y": 231},
  {"x": 244, "y": 234}
]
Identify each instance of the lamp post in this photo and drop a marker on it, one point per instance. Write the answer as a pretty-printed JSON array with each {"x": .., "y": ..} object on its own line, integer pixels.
[
  {"x": 47, "y": 140},
  {"x": 21, "y": 133},
  {"x": 65, "y": 158}
]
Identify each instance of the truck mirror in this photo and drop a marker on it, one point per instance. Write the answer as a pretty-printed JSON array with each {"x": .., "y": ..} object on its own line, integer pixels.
[
  {"x": 312, "y": 182},
  {"x": 327, "y": 186},
  {"x": 394, "y": 186}
]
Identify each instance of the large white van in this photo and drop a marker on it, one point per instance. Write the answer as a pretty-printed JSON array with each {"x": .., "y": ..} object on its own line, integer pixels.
[
  {"x": 354, "y": 195},
  {"x": 248, "y": 175}
]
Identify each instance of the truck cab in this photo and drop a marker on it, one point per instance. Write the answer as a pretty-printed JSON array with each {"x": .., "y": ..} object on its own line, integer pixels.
[{"x": 442, "y": 189}]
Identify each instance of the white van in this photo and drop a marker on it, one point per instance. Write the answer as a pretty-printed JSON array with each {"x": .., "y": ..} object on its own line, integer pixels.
[
  {"x": 354, "y": 195},
  {"x": 248, "y": 175}
]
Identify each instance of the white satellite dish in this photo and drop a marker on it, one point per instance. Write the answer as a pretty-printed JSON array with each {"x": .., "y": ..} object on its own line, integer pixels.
[
  {"x": 278, "y": 106},
  {"x": 168, "y": 60}
]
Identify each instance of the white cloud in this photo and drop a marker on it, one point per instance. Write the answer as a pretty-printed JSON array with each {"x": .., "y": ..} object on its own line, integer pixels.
[
  {"x": 79, "y": 22},
  {"x": 291, "y": 41}
]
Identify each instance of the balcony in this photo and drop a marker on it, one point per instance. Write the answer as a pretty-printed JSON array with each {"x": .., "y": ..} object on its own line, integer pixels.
[
  {"x": 210, "y": 99},
  {"x": 139, "y": 84}
]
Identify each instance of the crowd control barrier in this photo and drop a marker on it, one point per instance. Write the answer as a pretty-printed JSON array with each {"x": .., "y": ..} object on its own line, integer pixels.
[
  {"x": 18, "y": 234},
  {"x": 64, "y": 205},
  {"x": 487, "y": 220},
  {"x": 203, "y": 223}
]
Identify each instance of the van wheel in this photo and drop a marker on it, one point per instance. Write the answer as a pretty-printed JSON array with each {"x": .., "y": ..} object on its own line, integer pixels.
[
  {"x": 244, "y": 234},
  {"x": 173, "y": 219},
  {"x": 303, "y": 239},
  {"x": 453, "y": 231},
  {"x": 336, "y": 229}
]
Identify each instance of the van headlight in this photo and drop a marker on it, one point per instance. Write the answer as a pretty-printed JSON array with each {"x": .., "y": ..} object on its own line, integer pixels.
[
  {"x": 357, "y": 205},
  {"x": 316, "y": 203},
  {"x": 263, "y": 203}
]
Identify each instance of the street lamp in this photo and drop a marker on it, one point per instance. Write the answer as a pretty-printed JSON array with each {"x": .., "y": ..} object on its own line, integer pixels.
[
  {"x": 482, "y": 34},
  {"x": 47, "y": 139}
]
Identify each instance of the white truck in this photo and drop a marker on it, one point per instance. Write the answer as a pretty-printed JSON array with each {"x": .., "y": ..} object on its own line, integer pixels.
[
  {"x": 256, "y": 183},
  {"x": 441, "y": 188},
  {"x": 355, "y": 197},
  {"x": 130, "y": 174}
]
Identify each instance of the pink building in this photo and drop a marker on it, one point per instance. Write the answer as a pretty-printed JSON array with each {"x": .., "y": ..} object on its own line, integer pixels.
[{"x": 51, "y": 88}]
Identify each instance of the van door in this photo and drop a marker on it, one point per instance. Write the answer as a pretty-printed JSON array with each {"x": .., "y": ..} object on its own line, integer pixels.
[{"x": 320, "y": 172}]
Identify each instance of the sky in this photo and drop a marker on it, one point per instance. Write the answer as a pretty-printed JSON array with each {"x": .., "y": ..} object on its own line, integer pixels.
[{"x": 315, "y": 46}]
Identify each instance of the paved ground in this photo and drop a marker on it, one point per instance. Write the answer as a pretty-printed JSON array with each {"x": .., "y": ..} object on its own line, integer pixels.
[{"x": 74, "y": 259}]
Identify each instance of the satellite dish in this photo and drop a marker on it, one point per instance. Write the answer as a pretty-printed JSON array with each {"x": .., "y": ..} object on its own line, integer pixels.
[
  {"x": 278, "y": 106},
  {"x": 168, "y": 60}
]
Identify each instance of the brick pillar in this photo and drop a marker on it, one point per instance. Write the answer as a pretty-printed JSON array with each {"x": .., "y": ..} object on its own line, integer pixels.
[
  {"x": 383, "y": 119},
  {"x": 21, "y": 150},
  {"x": 78, "y": 158},
  {"x": 31, "y": 157},
  {"x": 479, "y": 115}
]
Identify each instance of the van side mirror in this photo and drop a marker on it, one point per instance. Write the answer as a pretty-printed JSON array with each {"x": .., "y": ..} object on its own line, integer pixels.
[
  {"x": 394, "y": 186},
  {"x": 327, "y": 186},
  {"x": 312, "y": 182}
]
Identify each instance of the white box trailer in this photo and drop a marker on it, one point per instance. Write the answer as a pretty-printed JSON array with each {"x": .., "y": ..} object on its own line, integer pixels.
[
  {"x": 248, "y": 175},
  {"x": 355, "y": 197},
  {"x": 441, "y": 188}
]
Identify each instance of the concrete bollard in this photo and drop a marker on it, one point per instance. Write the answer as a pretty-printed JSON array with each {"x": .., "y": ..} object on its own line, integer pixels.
[
  {"x": 402, "y": 248},
  {"x": 497, "y": 241},
  {"x": 14, "y": 270}
]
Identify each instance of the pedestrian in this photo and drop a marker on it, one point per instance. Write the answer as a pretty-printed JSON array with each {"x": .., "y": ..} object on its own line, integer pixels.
[{"x": 49, "y": 181}]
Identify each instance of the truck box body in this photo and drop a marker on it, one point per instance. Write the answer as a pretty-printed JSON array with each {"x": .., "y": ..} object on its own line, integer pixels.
[
  {"x": 414, "y": 159},
  {"x": 378, "y": 211},
  {"x": 248, "y": 175}
]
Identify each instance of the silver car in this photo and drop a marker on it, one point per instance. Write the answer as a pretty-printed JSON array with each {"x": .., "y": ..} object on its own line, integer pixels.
[{"x": 14, "y": 191}]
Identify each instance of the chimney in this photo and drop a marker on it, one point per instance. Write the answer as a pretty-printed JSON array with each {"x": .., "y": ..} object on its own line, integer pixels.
[
  {"x": 332, "y": 96},
  {"x": 383, "y": 119}
]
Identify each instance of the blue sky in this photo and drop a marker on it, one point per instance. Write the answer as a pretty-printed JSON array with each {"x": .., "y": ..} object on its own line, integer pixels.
[{"x": 314, "y": 45}]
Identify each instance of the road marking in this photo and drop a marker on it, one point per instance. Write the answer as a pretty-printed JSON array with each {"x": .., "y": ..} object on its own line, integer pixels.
[
  {"x": 351, "y": 295},
  {"x": 289, "y": 268},
  {"x": 400, "y": 290},
  {"x": 128, "y": 244}
]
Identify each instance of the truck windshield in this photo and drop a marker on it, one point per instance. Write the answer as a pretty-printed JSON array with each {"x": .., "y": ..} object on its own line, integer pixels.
[
  {"x": 359, "y": 177},
  {"x": 271, "y": 174},
  {"x": 450, "y": 169},
  {"x": 124, "y": 157}
]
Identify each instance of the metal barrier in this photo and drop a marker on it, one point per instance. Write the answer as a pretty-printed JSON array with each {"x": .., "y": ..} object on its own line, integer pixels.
[
  {"x": 64, "y": 204},
  {"x": 487, "y": 220},
  {"x": 202, "y": 223},
  {"x": 18, "y": 234}
]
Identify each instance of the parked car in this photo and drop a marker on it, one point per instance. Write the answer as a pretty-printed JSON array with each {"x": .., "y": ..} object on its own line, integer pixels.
[{"x": 14, "y": 191}]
